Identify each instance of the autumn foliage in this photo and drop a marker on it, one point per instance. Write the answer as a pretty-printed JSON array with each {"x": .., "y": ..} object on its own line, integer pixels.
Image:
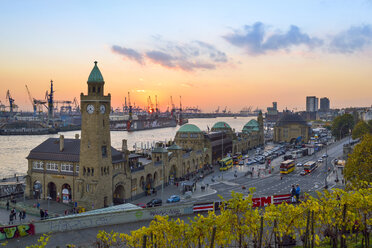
[{"x": 332, "y": 219}]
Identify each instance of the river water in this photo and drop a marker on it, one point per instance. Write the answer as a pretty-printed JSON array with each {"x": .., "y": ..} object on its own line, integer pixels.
[{"x": 15, "y": 149}]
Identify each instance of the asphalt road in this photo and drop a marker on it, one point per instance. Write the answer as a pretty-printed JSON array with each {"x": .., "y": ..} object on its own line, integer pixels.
[{"x": 270, "y": 184}]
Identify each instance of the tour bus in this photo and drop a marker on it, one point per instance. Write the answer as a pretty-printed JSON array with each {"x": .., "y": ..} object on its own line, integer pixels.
[
  {"x": 287, "y": 166},
  {"x": 310, "y": 166},
  {"x": 226, "y": 163}
]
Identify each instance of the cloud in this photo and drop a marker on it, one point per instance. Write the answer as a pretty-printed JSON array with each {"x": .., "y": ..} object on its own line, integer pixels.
[
  {"x": 354, "y": 39},
  {"x": 128, "y": 53},
  {"x": 196, "y": 55},
  {"x": 256, "y": 40},
  {"x": 187, "y": 85}
]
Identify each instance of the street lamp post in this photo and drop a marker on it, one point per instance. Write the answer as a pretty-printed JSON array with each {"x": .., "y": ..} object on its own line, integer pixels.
[
  {"x": 222, "y": 153},
  {"x": 326, "y": 173}
]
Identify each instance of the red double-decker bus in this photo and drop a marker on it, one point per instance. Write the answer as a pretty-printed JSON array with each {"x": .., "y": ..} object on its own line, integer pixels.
[{"x": 310, "y": 166}]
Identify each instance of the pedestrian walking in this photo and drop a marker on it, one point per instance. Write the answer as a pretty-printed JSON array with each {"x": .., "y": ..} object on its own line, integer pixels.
[
  {"x": 38, "y": 205},
  {"x": 7, "y": 205},
  {"x": 10, "y": 219},
  {"x": 298, "y": 191},
  {"x": 14, "y": 213},
  {"x": 41, "y": 214},
  {"x": 293, "y": 194},
  {"x": 46, "y": 215},
  {"x": 24, "y": 214},
  {"x": 20, "y": 215}
]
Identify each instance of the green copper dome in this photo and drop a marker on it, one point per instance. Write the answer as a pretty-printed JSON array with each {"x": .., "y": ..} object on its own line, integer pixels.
[
  {"x": 252, "y": 125},
  {"x": 221, "y": 125},
  {"x": 189, "y": 128},
  {"x": 95, "y": 75}
]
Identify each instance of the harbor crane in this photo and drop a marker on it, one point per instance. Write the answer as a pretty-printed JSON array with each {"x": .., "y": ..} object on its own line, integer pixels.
[
  {"x": 224, "y": 111},
  {"x": 12, "y": 106},
  {"x": 217, "y": 110},
  {"x": 130, "y": 106},
  {"x": 173, "y": 107},
  {"x": 37, "y": 105}
]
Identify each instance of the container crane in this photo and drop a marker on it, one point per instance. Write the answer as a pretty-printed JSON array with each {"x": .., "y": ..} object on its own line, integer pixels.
[
  {"x": 173, "y": 107},
  {"x": 2, "y": 107},
  {"x": 31, "y": 100},
  {"x": 224, "y": 111},
  {"x": 12, "y": 105},
  {"x": 217, "y": 110}
]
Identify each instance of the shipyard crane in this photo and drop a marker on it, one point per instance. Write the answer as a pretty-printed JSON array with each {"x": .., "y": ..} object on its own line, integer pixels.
[
  {"x": 151, "y": 106},
  {"x": 12, "y": 105},
  {"x": 76, "y": 105},
  {"x": 217, "y": 110},
  {"x": 31, "y": 100},
  {"x": 130, "y": 106},
  {"x": 224, "y": 111},
  {"x": 172, "y": 105},
  {"x": 156, "y": 104}
]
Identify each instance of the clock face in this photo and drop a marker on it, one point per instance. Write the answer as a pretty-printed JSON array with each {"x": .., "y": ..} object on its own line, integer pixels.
[
  {"x": 102, "y": 109},
  {"x": 90, "y": 109}
]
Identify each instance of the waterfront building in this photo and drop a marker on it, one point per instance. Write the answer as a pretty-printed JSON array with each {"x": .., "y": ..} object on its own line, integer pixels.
[
  {"x": 291, "y": 128},
  {"x": 93, "y": 174}
]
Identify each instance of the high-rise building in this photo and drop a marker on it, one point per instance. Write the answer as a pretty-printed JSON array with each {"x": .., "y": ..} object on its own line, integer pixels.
[
  {"x": 324, "y": 104},
  {"x": 311, "y": 104}
]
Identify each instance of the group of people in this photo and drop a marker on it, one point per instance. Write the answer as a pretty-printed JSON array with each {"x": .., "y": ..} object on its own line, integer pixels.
[
  {"x": 13, "y": 214},
  {"x": 44, "y": 214},
  {"x": 295, "y": 193}
]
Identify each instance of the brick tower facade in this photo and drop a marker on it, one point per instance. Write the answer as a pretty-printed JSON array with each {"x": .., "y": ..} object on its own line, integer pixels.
[{"x": 95, "y": 177}]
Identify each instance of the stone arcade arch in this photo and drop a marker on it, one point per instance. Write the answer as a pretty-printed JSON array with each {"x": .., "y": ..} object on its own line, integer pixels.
[
  {"x": 173, "y": 172},
  {"x": 37, "y": 190},
  {"x": 155, "y": 178},
  {"x": 142, "y": 183},
  {"x": 119, "y": 195},
  {"x": 149, "y": 184},
  {"x": 52, "y": 191},
  {"x": 66, "y": 193}
]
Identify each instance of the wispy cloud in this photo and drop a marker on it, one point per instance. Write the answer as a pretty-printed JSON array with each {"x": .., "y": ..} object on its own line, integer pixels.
[
  {"x": 352, "y": 40},
  {"x": 128, "y": 53},
  {"x": 256, "y": 40},
  {"x": 196, "y": 55}
]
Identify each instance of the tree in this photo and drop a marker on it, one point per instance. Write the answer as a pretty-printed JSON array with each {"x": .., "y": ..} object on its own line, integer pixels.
[
  {"x": 361, "y": 129},
  {"x": 359, "y": 164},
  {"x": 341, "y": 125}
]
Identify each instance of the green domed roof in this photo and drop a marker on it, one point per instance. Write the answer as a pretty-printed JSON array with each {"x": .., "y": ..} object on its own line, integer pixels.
[
  {"x": 252, "y": 123},
  {"x": 221, "y": 125},
  {"x": 189, "y": 128},
  {"x": 95, "y": 75}
]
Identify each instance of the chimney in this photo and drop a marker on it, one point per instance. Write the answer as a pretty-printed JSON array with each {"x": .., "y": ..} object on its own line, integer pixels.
[
  {"x": 61, "y": 143},
  {"x": 124, "y": 145},
  {"x": 77, "y": 136}
]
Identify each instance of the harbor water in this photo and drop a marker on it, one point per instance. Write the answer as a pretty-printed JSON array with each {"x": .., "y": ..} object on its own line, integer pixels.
[{"x": 14, "y": 149}]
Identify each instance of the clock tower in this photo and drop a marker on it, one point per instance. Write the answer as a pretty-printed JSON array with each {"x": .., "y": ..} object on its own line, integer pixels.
[{"x": 95, "y": 170}]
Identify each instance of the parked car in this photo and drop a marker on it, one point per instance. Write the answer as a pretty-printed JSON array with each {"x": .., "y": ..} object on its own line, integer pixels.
[
  {"x": 303, "y": 173},
  {"x": 320, "y": 160},
  {"x": 142, "y": 205},
  {"x": 250, "y": 161},
  {"x": 154, "y": 203},
  {"x": 299, "y": 165},
  {"x": 241, "y": 162},
  {"x": 173, "y": 198},
  {"x": 324, "y": 155}
]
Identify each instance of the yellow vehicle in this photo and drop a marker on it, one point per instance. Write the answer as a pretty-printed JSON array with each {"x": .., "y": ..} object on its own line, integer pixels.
[
  {"x": 226, "y": 163},
  {"x": 287, "y": 166}
]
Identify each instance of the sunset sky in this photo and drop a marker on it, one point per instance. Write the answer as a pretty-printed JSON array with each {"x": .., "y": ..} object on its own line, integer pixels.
[{"x": 213, "y": 53}]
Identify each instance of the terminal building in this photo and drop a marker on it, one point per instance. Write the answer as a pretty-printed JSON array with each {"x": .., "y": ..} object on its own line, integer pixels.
[
  {"x": 291, "y": 128},
  {"x": 88, "y": 171}
]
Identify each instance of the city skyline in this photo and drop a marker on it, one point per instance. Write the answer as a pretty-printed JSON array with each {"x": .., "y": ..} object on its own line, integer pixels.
[{"x": 211, "y": 53}]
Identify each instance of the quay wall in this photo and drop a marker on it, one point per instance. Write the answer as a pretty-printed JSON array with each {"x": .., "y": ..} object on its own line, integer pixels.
[{"x": 76, "y": 222}]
